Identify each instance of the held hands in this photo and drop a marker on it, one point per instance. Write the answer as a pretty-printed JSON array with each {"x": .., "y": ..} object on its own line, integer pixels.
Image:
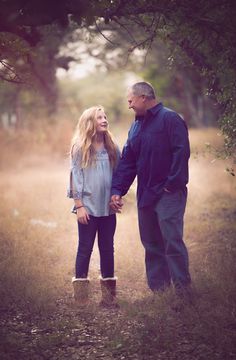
[
  {"x": 82, "y": 216},
  {"x": 116, "y": 203}
]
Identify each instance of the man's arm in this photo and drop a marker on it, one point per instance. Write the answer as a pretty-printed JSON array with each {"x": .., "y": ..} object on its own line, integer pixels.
[
  {"x": 125, "y": 172},
  {"x": 123, "y": 177},
  {"x": 179, "y": 142}
]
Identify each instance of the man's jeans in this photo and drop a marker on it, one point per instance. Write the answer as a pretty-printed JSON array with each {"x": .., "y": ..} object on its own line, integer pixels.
[
  {"x": 104, "y": 226},
  {"x": 161, "y": 231}
]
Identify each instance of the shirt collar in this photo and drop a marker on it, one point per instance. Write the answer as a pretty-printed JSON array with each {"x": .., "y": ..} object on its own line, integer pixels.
[
  {"x": 150, "y": 112},
  {"x": 154, "y": 110}
]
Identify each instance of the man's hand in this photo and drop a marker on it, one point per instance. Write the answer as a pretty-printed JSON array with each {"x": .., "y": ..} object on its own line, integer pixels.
[{"x": 116, "y": 203}]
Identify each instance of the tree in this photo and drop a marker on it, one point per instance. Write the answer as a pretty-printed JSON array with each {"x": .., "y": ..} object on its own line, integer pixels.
[
  {"x": 179, "y": 85},
  {"x": 200, "y": 33},
  {"x": 33, "y": 70}
]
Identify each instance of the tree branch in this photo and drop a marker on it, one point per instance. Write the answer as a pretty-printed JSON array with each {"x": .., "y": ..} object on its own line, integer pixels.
[
  {"x": 30, "y": 35},
  {"x": 8, "y": 73},
  {"x": 104, "y": 36}
]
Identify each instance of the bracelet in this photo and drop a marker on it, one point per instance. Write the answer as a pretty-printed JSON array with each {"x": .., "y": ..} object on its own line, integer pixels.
[{"x": 78, "y": 207}]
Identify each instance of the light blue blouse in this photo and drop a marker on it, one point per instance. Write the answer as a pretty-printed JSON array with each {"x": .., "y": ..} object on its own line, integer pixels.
[{"x": 92, "y": 185}]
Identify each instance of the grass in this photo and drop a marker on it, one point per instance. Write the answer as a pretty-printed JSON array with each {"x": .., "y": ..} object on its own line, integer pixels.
[
  {"x": 204, "y": 329},
  {"x": 27, "y": 265},
  {"x": 38, "y": 241}
]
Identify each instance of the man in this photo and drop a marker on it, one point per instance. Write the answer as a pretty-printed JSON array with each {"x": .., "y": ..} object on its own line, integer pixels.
[{"x": 157, "y": 151}]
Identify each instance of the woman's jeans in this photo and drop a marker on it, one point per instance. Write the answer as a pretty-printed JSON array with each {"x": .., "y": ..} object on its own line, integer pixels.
[
  {"x": 161, "y": 231},
  {"x": 104, "y": 227}
]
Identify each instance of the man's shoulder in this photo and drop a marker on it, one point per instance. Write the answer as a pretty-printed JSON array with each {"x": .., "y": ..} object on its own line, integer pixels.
[
  {"x": 171, "y": 113},
  {"x": 172, "y": 119},
  {"x": 171, "y": 116}
]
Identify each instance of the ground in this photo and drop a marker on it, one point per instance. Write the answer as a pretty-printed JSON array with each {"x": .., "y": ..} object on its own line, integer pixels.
[{"x": 39, "y": 319}]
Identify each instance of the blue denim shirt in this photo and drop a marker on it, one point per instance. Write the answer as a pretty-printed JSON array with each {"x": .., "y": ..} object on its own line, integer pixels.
[{"x": 157, "y": 151}]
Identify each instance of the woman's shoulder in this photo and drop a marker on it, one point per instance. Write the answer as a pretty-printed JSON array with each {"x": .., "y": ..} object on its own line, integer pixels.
[{"x": 75, "y": 154}]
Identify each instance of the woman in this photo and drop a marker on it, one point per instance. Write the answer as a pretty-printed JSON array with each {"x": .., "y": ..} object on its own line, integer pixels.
[{"x": 94, "y": 155}]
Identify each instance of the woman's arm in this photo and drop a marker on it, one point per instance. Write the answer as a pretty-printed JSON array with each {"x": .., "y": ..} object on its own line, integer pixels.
[
  {"x": 76, "y": 189},
  {"x": 81, "y": 212}
]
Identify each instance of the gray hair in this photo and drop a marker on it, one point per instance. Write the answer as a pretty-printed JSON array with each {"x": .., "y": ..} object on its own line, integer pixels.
[{"x": 143, "y": 88}]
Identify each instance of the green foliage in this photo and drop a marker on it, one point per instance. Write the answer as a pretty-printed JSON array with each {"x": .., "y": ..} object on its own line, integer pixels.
[
  {"x": 97, "y": 89},
  {"x": 209, "y": 44},
  {"x": 228, "y": 120},
  {"x": 32, "y": 71},
  {"x": 180, "y": 87}
]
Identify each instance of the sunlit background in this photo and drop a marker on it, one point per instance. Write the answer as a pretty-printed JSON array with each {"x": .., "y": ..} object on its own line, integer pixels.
[{"x": 37, "y": 118}]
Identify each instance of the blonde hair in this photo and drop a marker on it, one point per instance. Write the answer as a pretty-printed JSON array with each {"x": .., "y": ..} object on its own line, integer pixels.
[{"x": 83, "y": 138}]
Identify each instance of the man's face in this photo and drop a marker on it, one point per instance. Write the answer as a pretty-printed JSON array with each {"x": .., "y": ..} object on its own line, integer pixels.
[{"x": 137, "y": 103}]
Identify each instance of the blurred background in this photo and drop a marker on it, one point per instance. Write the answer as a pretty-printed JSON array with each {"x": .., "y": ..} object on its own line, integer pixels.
[
  {"x": 43, "y": 91},
  {"x": 52, "y": 72}
]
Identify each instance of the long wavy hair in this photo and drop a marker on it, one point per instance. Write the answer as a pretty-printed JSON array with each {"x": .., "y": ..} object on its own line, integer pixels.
[{"x": 84, "y": 136}]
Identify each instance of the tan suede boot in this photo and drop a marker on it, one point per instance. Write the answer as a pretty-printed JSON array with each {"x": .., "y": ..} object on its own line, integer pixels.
[
  {"x": 81, "y": 290},
  {"x": 108, "y": 287}
]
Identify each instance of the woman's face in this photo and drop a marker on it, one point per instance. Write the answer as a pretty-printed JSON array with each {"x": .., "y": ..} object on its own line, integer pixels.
[{"x": 101, "y": 122}]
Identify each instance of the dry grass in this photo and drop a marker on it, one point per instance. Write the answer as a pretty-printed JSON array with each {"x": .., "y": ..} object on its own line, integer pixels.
[
  {"x": 39, "y": 241},
  {"x": 34, "y": 190}
]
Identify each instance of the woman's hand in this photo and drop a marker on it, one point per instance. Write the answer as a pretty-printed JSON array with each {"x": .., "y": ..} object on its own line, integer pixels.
[
  {"x": 116, "y": 203},
  {"x": 82, "y": 216}
]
